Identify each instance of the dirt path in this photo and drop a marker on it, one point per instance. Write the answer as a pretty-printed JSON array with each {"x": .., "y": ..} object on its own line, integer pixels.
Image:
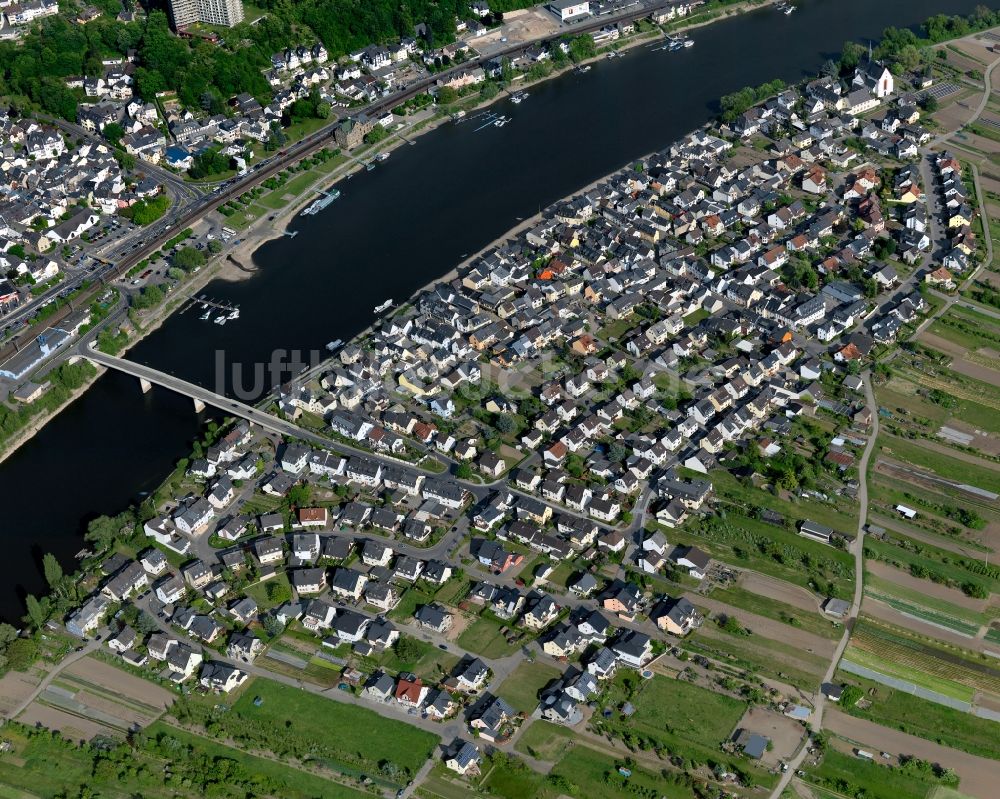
[
  {"x": 779, "y": 590},
  {"x": 770, "y": 628},
  {"x": 932, "y": 589},
  {"x": 958, "y": 354},
  {"x": 980, "y": 776}
]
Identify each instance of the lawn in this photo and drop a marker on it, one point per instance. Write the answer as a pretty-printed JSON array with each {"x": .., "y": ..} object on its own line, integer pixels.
[
  {"x": 483, "y": 637},
  {"x": 431, "y": 664},
  {"x": 943, "y": 465},
  {"x": 916, "y": 716},
  {"x": 781, "y": 611},
  {"x": 290, "y": 721},
  {"x": 412, "y": 598},
  {"x": 848, "y": 776},
  {"x": 545, "y": 741},
  {"x": 258, "y": 591},
  {"x": 242, "y": 219},
  {"x": 594, "y": 775},
  {"x": 522, "y": 686},
  {"x": 423, "y": 593}
]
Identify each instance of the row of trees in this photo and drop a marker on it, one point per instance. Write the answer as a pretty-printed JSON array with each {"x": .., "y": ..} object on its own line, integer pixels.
[{"x": 736, "y": 103}]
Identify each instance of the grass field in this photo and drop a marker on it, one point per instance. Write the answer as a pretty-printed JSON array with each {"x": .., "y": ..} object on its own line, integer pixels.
[
  {"x": 774, "y": 551},
  {"x": 297, "y": 783},
  {"x": 916, "y": 716},
  {"x": 676, "y": 716},
  {"x": 781, "y": 611},
  {"x": 943, "y": 465},
  {"x": 545, "y": 741},
  {"x": 522, "y": 687},
  {"x": 483, "y": 637},
  {"x": 940, "y": 605},
  {"x": 967, "y": 328},
  {"x": 847, "y": 776},
  {"x": 48, "y": 766},
  {"x": 841, "y": 514},
  {"x": 901, "y": 392},
  {"x": 686, "y": 711},
  {"x": 593, "y": 775},
  {"x": 288, "y": 719}
]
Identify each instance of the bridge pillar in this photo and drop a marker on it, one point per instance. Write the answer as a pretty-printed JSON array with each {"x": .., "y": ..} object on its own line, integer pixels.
[
  {"x": 199, "y": 406},
  {"x": 145, "y": 385}
]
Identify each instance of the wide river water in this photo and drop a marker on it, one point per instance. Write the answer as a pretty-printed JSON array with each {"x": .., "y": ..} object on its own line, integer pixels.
[{"x": 393, "y": 230}]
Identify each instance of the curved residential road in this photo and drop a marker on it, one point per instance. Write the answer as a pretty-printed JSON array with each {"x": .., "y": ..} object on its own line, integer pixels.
[{"x": 820, "y": 699}]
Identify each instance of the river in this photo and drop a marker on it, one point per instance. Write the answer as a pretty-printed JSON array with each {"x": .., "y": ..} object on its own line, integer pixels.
[{"x": 393, "y": 230}]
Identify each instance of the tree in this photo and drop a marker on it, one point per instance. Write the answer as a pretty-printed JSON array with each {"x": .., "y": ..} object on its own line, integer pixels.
[
  {"x": 52, "y": 570},
  {"x": 145, "y": 212},
  {"x": 376, "y": 134},
  {"x": 22, "y": 653},
  {"x": 506, "y": 424},
  {"x": 463, "y": 471},
  {"x": 187, "y": 258},
  {"x": 144, "y": 623},
  {"x": 36, "y": 613},
  {"x": 582, "y": 48},
  {"x": 851, "y": 56},
  {"x": 279, "y": 592},
  {"x": 617, "y": 452},
  {"x": 215, "y": 246},
  {"x": 850, "y": 695},
  {"x": 272, "y": 626},
  {"x": 113, "y": 132},
  {"x": 830, "y": 68},
  {"x": 213, "y": 162},
  {"x": 299, "y": 496},
  {"x": 446, "y": 95},
  {"x": 102, "y": 532},
  {"x": 407, "y": 649}
]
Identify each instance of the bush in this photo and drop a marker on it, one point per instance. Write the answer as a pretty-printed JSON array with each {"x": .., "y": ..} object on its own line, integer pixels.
[{"x": 22, "y": 653}]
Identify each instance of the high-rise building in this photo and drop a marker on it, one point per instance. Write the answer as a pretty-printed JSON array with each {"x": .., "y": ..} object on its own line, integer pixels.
[{"x": 224, "y": 13}]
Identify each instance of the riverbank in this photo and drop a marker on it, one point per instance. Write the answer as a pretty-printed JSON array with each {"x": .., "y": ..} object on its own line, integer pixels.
[
  {"x": 27, "y": 433},
  {"x": 267, "y": 228}
]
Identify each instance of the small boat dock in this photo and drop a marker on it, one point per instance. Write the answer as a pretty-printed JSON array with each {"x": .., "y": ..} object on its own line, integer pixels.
[{"x": 213, "y": 310}]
